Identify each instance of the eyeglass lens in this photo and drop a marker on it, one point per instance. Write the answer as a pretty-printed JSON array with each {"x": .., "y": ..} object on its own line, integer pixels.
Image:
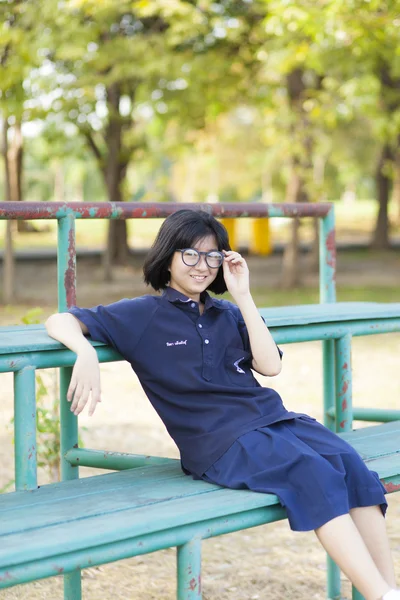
[{"x": 191, "y": 257}]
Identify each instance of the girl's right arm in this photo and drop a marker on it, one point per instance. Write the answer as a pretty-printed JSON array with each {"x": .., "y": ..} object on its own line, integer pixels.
[{"x": 85, "y": 380}]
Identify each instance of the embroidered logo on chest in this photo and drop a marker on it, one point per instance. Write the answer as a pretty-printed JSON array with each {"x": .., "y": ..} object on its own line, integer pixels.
[
  {"x": 177, "y": 343},
  {"x": 239, "y": 369}
]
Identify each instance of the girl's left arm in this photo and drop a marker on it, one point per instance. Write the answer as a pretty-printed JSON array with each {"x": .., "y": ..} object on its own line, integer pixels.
[{"x": 266, "y": 358}]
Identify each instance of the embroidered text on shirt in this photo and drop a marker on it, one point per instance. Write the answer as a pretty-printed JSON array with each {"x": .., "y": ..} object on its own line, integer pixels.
[
  {"x": 177, "y": 343},
  {"x": 236, "y": 364}
]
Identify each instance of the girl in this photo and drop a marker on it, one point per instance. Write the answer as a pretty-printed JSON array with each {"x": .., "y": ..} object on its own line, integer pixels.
[{"x": 193, "y": 355}]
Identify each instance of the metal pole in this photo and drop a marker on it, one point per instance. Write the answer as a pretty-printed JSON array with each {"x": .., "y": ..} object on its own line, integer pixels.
[
  {"x": 344, "y": 405},
  {"x": 327, "y": 291},
  {"x": 66, "y": 279},
  {"x": 189, "y": 570},
  {"x": 25, "y": 429}
]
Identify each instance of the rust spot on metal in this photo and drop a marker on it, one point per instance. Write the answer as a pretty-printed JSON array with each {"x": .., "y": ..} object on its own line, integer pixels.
[
  {"x": 345, "y": 387},
  {"x": 331, "y": 249},
  {"x": 391, "y": 487},
  {"x": 345, "y": 366},
  {"x": 193, "y": 584},
  {"x": 140, "y": 544},
  {"x": 7, "y": 577},
  {"x": 342, "y": 423},
  {"x": 58, "y": 569},
  {"x": 145, "y": 210},
  {"x": 344, "y": 404},
  {"x": 69, "y": 277}
]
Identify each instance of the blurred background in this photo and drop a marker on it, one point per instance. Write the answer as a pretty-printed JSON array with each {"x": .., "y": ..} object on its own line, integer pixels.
[{"x": 202, "y": 101}]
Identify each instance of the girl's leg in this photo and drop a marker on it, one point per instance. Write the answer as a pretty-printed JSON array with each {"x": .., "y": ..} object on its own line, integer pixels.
[
  {"x": 343, "y": 542},
  {"x": 371, "y": 525}
]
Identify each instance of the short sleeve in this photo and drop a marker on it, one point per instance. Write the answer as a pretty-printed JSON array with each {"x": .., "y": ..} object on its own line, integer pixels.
[
  {"x": 120, "y": 324},
  {"x": 245, "y": 336}
]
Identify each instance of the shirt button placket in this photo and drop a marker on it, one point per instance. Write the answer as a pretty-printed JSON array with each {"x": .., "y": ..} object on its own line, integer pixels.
[{"x": 207, "y": 359}]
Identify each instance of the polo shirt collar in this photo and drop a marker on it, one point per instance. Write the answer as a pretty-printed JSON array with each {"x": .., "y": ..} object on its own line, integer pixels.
[{"x": 176, "y": 297}]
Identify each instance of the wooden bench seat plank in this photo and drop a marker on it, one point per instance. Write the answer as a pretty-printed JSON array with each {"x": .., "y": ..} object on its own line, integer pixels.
[
  {"x": 372, "y": 442},
  {"x": 68, "y": 537},
  {"x": 376, "y": 447},
  {"x": 307, "y": 314},
  {"x": 372, "y": 430},
  {"x": 32, "y": 338},
  {"x": 75, "y": 488},
  {"x": 128, "y": 492},
  {"x": 80, "y": 534},
  {"x": 388, "y": 467},
  {"x": 102, "y": 502}
]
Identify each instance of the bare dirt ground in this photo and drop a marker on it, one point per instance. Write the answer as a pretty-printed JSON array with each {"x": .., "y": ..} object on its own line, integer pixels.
[{"x": 266, "y": 562}]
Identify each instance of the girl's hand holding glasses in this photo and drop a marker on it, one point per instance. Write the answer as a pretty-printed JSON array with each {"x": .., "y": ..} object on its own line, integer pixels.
[{"x": 236, "y": 274}]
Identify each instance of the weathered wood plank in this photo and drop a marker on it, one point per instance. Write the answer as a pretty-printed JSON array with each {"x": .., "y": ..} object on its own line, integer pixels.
[{"x": 92, "y": 531}]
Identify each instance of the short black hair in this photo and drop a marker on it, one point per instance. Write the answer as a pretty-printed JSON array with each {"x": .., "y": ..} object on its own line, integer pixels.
[{"x": 181, "y": 230}]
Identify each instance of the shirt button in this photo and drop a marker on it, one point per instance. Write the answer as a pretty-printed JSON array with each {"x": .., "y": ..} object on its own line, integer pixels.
[
  {"x": 193, "y": 305},
  {"x": 200, "y": 325},
  {"x": 206, "y": 341}
]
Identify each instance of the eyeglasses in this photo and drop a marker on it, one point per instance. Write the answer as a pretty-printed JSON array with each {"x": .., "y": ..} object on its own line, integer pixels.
[{"x": 191, "y": 257}]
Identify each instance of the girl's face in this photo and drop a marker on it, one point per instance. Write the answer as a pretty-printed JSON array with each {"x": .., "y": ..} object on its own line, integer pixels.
[{"x": 192, "y": 281}]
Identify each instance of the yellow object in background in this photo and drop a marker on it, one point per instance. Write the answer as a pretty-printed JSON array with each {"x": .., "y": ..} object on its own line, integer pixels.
[
  {"x": 260, "y": 241},
  {"x": 260, "y": 235},
  {"x": 230, "y": 226}
]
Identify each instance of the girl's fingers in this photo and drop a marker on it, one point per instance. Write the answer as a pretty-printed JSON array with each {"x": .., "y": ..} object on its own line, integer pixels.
[
  {"x": 83, "y": 400},
  {"x": 95, "y": 399},
  {"x": 234, "y": 257},
  {"x": 77, "y": 396},
  {"x": 71, "y": 390}
]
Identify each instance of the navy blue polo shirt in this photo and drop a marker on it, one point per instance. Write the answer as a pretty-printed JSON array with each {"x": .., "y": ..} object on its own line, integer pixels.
[{"x": 195, "y": 369}]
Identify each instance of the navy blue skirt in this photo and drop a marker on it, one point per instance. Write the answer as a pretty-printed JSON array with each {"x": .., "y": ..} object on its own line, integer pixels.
[{"x": 316, "y": 475}]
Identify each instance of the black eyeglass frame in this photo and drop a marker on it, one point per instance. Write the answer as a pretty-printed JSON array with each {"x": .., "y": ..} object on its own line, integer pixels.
[{"x": 206, "y": 254}]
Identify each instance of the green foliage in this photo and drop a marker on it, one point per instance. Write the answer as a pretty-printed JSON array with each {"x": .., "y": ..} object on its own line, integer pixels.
[{"x": 139, "y": 81}]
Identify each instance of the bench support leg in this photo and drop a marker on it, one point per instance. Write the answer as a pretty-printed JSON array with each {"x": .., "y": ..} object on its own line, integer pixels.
[
  {"x": 25, "y": 429},
  {"x": 356, "y": 595},
  {"x": 72, "y": 586},
  {"x": 69, "y": 439},
  {"x": 333, "y": 583},
  {"x": 189, "y": 570},
  {"x": 333, "y": 586}
]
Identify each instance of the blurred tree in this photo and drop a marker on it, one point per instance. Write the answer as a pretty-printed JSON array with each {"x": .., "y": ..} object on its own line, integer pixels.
[
  {"x": 110, "y": 60},
  {"x": 368, "y": 73},
  {"x": 18, "y": 45}
]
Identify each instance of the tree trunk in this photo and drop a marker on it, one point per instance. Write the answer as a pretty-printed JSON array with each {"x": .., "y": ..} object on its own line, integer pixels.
[
  {"x": 301, "y": 169},
  {"x": 319, "y": 175},
  {"x": 381, "y": 234},
  {"x": 15, "y": 163},
  {"x": 117, "y": 250},
  {"x": 8, "y": 257},
  {"x": 396, "y": 184},
  {"x": 291, "y": 256}
]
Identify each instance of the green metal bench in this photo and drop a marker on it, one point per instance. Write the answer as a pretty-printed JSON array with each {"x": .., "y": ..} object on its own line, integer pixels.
[
  {"x": 153, "y": 505},
  {"x": 63, "y": 527}
]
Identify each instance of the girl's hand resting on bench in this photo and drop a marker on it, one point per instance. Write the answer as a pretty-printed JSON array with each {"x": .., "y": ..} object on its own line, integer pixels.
[{"x": 85, "y": 382}]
